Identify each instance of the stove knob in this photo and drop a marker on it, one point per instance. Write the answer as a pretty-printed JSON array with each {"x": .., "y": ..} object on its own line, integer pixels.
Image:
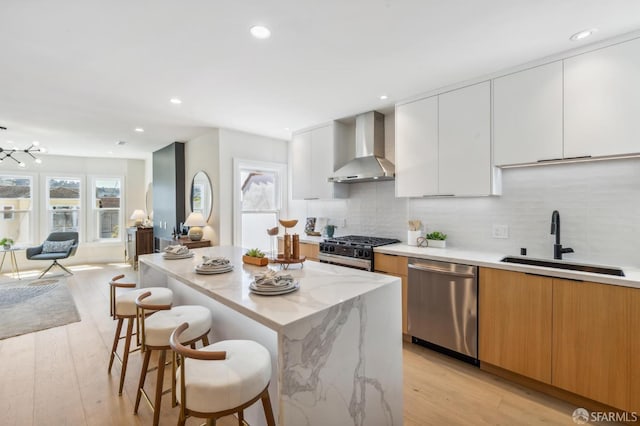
[
  {"x": 359, "y": 253},
  {"x": 367, "y": 253},
  {"x": 332, "y": 249}
]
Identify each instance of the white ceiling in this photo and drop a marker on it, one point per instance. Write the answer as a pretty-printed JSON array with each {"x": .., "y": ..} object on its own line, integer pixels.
[{"x": 80, "y": 75}]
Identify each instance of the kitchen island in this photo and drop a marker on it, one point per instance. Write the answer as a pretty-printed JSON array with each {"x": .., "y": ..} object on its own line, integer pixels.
[{"x": 335, "y": 344}]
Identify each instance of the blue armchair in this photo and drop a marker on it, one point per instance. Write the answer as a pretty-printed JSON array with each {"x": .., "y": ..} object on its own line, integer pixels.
[{"x": 58, "y": 245}]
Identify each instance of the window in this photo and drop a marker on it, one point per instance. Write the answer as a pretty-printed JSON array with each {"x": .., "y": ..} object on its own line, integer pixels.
[
  {"x": 258, "y": 195},
  {"x": 107, "y": 196},
  {"x": 16, "y": 201},
  {"x": 63, "y": 204}
]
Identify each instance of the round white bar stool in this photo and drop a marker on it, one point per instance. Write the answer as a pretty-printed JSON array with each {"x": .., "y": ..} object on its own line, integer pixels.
[
  {"x": 221, "y": 379},
  {"x": 156, "y": 330},
  {"x": 123, "y": 307}
]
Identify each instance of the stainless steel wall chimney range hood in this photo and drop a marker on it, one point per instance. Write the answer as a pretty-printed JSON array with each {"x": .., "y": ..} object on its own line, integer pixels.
[{"x": 369, "y": 163}]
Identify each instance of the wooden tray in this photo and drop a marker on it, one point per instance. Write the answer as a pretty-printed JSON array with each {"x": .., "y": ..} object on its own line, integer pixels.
[{"x": 284, "y": 263}]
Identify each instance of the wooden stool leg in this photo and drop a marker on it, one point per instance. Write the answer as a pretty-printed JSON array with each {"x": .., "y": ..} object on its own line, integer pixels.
[
  {"x": 205, "y": 340},
  {"x": 125, "y": 355},
  {"x": 268, "y": 411},
  {"x": 174, "y": 368},
  {"x": 241, "y": 418},
  {"x": 156, "y": 406},
  {"x": 114, "y": 348},
  {"x": 143, "y": 376}
]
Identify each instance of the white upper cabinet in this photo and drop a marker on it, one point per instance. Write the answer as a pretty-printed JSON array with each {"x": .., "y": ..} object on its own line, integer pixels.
[
  {"x": 464, "y": 144},
  {"x": 527, "y": 116},
  {"x": 443, "y": 144},
  {"x": 602, "y": 101},
  {"x": 417, "y": 148},
  {"x": 312, "y": 163},
  {"x": 300, "y": 165}
]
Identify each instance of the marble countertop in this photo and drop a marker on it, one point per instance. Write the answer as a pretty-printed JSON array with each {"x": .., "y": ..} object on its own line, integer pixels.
[
  {"x": 322, "y": 286},
  {"x": 492, "y": 260}
]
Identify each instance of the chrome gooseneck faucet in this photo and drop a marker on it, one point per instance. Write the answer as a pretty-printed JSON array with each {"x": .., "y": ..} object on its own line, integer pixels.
[{"x": 555, "y": 229}]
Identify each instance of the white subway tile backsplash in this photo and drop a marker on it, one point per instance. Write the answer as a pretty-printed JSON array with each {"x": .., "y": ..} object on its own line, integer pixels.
[{"x": 599, "y": 205}]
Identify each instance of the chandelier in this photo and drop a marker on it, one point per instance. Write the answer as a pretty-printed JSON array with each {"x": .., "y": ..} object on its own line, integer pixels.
[{"x": 11, "y": 152}]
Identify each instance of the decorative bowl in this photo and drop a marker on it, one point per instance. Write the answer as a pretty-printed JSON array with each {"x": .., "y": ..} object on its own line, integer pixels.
[{"x": 289, "y": 223}]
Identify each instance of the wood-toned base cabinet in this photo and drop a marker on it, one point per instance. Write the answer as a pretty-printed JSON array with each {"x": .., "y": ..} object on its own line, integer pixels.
[
  {"x": 398, "y": 267},
  {"x": 515, "y": 322},
  {"x": 582, "y": 337},
  {"x": 309, "y": 250},
  {"x": 595, "y": 342}
]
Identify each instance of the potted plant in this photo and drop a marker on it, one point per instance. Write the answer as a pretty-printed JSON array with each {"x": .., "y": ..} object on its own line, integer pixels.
[
  {"x": 255, "y": 257},
  {"x": 436, "y": 239},
  {"x": 6, "y": 243}
]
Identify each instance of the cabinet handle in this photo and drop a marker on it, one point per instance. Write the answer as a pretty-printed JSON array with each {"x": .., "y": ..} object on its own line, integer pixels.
[
  {"x": 316, "y": 198},
  {"x": 438, "y": 195},
  {"x": 549, "y": 159},
  {"x": 580, "y": 157}
]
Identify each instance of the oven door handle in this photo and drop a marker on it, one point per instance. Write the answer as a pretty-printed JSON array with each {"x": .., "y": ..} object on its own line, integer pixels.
[
  {"x": 440, "y": 271},
  {"x": 345, "y": 260}
]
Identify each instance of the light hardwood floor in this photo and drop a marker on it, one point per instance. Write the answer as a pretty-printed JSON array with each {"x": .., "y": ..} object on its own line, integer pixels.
[{"x": 59, "y": 377}]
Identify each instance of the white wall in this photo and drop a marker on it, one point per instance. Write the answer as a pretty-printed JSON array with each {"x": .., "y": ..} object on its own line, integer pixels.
[
  {"x": 203, "y": 153},
  {"x": 134, "y": 188},
  {"x": 245, "y": 146},
  {"x": 599, "y": 205}
]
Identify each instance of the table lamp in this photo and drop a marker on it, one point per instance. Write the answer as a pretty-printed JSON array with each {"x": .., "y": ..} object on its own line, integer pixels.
[
  {"x": 138, "y": 216},
  {"x": 195, "y": 222}
]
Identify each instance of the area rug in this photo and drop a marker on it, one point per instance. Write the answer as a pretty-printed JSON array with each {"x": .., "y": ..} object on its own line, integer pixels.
[{"x": 33, "y": 305}]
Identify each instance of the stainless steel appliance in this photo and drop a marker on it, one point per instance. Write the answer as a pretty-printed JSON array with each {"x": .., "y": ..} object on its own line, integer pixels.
[
  {"x": 442, "y": 307},
  {"x": 354, "y": 251}
]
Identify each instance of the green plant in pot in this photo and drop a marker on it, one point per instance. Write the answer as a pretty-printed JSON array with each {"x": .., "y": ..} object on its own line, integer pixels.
[
  {"x": 255, "y": 257},
  {"x": 6, "y": 243},
  {"x": 436, "y": 239}
]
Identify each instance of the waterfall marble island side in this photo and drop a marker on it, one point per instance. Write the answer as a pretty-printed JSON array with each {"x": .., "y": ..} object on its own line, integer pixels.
[{"x": 335, "y": 344}]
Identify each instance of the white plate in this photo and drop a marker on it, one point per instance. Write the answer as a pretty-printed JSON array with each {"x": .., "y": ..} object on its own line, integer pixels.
[
  {"x": 277, "y": 291},
  {"x": 213, "y": 271},
  {"x": 169, "y": 256}
]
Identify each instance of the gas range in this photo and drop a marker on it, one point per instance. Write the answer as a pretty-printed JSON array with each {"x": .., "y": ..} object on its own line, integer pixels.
[{"x": 355, "y": 251}]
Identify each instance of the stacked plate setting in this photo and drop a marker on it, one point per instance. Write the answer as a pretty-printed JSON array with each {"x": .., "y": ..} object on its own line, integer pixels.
[
  {"x": 177, "y": 252},
  {"x": 272, "y": 283},
  {"x": 214, "y": 265}
]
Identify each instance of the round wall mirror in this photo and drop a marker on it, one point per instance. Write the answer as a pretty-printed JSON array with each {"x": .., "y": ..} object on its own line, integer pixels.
[{"x": 201, "y": 194}]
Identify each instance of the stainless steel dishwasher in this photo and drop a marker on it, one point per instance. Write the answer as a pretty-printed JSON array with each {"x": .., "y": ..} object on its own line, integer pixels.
[{"x": 442, "y": 307}]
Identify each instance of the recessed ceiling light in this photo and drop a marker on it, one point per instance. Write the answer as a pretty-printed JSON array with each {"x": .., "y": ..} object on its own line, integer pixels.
[
  {"x": 175, "y": 101},
  {"x": 383, "y": 97},
  {"x": 286, "y": 129},
  {"x": 139, "y": 130},
  {"x": 258, "y": 31},
  {"x": 583, "y": 34}
]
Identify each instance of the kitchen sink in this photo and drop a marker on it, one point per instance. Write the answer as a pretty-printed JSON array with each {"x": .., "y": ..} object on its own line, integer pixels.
[{"x": 607, "y": 270}]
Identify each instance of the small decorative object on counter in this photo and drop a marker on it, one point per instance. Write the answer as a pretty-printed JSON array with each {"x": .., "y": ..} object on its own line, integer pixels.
[
  {"x": 414, "y": 232},
  {"x": 310, "y": 226},
  {"x": 273, "y": 241},
  {"x": 436, "y": 239},
  {"x": 295, "y": 250},
  {"x": 286, "y": 253},
  {"x": 6, "y": 243},
  {"x": 330, "y": 229},
  {"x": 255, "y": 257}
]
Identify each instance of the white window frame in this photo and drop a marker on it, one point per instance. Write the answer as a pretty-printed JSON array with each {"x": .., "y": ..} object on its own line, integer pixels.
[
  {"x": 238, "y": 164},
  {"x": 93, "y": 233},
  {"x": 33, "y": 228},
  {"x": 45, "y": 207}
]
